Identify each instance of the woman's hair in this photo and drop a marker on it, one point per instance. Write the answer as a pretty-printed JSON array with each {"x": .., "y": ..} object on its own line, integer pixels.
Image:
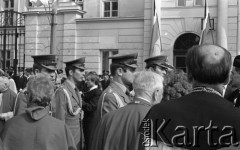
[
  {"x": 41, "y": 91},
  {"x": 93, "y": 76}
]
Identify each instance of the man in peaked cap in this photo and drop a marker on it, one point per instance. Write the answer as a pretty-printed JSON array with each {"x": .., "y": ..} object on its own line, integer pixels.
[
  {"x": 44, "y": 65},
  {"x": 117, "y": 95},
  {"x": 68, "y": 102},
  {"x": 233, "y": 88},
  {"x": 158, "y": 64}
]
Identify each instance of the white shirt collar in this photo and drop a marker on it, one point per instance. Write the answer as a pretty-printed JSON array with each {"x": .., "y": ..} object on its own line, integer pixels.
[{"x": 94, "y": 87}]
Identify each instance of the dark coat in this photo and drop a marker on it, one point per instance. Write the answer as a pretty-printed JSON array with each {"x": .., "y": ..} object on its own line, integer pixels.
[
  {"x": 118, "y": 130},
  {"x": 22, "y": 82},
  {"x": 232, "y": 86},
  {"x": 21, "y": 104},
  {"x": 105, "y": 84},
  {"x": 198, "y": 110},
  {"x": 90, "y": 101},
  {"x": 7, "y": 105},
  {"x": 62, "y": 112},
  {"x": 36, "y": 130},
  {"x": 108, "y": 102}
]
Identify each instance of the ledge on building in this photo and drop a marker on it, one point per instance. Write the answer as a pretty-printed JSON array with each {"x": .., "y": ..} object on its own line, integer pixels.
[{"x": 108, "y": 19}]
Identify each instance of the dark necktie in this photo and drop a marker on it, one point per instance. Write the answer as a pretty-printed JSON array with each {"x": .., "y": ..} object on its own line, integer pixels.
[{"x": 127, "y": 93}]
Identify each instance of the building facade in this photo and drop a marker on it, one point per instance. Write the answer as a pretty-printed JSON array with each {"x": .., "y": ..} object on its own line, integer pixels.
[{"x": 97, "y": 29}]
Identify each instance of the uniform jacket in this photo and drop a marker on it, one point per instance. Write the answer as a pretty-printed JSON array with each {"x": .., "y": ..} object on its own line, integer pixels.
[
  {"x": 108, "y": 102},
  {"x": 195, "y": 110},
  {"x": 118, "y": 130},
  {"x": 62, "y": 112},
  {"x": 36, "y": 130},
  {"x": 7, "y": 105},
  {"x": 90, "y": 101}
]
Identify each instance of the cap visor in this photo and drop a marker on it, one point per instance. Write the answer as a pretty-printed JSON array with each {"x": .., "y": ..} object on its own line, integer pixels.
[{"x": 53, "y": 68}]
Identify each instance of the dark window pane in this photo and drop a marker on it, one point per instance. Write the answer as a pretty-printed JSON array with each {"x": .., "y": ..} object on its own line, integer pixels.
[
  {"x": 181, "y": 2},
  {"x": 8, "y": 63},
  {"x": 114, "y": 13},
  {"x": 114, "y": 5},
  {"x": 106, "y": 6},
  {"x": 12, "y": 3},
  {"x": 105, "y": 60},
  {"x": 8, "y": 54},
  {"x": 6, "y": 4},
  {"x": 106, "y": 14},
  {"x": 180, "y": 62},
  {"x": 115, "y": 52}
]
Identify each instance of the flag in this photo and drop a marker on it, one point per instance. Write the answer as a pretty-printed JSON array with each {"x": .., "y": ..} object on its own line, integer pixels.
[
  {"x": 55, "y": 6},
  {"x": 206, "y": 23},
  {"x": 46, "y": 4},
  {"x": 156, "y": 47},
  {"x": 36, "y": 3}
]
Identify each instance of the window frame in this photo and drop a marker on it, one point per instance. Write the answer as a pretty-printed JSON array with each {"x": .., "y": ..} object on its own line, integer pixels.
[
  {"x": 198, "y": 5},
  {"x": 111, "y": 8},
  {"x": 9, "y": 5},
  {"x": 181, "y": 6},
  {"x": 111, "y": 52}
]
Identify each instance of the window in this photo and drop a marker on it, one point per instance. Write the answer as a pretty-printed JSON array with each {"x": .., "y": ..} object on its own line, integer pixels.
[
  {"x": 198, "y": 3},
  {"x": 110, "y": 9},
  {"x": 181, "y": 46},
  {"x": 105, "y": 58},
  {"x": 181, "y": 2},
  {"x": 8, "y": 4}
]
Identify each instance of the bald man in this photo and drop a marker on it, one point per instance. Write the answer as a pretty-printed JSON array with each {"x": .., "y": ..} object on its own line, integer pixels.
[{"x": 202, "y": 119}]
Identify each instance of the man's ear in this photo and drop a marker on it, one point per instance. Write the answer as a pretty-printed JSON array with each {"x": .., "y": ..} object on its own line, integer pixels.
[
  {"x": 119, "y": 71},
  {"x": 70, "y": 72},
  {"x": 157, "y": 96},
  {"x": 36, "y": 71}
]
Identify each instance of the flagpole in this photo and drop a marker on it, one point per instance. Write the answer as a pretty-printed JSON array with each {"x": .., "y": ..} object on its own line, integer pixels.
[
  {"x": 160, "y": 39},
  {"x": 211, "y": 27}
]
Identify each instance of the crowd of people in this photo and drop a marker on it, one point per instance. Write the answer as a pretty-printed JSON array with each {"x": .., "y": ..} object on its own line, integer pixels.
[{"x": 159, "y": 107}]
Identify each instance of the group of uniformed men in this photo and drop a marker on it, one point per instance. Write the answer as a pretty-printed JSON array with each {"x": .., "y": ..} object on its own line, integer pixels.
[{"x": 68, "y": 102}]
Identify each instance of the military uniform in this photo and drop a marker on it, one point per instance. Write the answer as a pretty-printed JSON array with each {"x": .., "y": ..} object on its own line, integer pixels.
[
  {"x": 68, "y": 104},
  {"x": 46, "y": 61},
  {"x": 160, "y": 60},
  {"x": 116, "y": 95}
]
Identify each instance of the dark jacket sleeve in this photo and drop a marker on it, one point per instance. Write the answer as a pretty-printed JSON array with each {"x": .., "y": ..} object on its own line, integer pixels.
[{"x": 91, "y": 105}]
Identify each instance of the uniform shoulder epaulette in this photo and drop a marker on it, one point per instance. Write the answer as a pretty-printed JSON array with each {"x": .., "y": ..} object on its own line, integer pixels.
[{"x": 110, "y": 90}]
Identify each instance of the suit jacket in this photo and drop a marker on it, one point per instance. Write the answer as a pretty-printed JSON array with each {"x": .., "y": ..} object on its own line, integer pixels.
[
  {"x": 7, "y": 105},
  {"x": 62, "y": 112},
  {"x": 90, "y": 101},
  {"x": 199, "y": 110},
  {"x": 118, "y": 130},
  {"x": 36, "y": 130},
  {"x": 108, "y": 102}
]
